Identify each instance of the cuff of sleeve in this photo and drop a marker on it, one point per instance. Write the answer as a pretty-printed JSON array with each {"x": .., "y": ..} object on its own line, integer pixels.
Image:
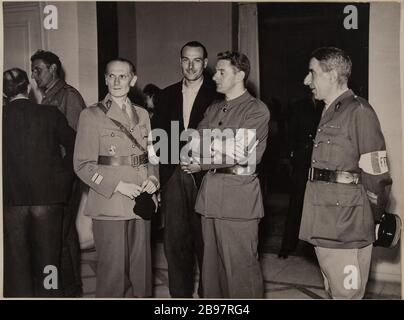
[{"x": 155, "y": 181}]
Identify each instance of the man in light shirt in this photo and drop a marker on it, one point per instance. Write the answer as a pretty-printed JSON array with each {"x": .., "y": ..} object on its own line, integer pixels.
[{"x": 182, "y": 106}]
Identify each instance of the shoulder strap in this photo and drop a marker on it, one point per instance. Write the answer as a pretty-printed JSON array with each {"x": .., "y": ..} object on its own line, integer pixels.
[{"x": 122, "y": 128}]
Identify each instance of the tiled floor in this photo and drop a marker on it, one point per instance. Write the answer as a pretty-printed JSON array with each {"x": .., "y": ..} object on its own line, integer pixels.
[{"x": 294, "y": 278}]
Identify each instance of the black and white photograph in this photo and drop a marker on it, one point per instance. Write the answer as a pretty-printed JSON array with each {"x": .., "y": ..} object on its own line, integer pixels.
[{"x": 202, "y": 150}]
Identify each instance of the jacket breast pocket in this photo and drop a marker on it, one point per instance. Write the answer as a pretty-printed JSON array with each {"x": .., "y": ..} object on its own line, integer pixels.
[
  {"x": 113, "y": 143},
  {"x": 339, "y": 214}
]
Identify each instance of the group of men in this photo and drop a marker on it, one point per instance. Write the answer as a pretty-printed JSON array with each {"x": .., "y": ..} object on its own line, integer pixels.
[{"x": 210, "y": 195}]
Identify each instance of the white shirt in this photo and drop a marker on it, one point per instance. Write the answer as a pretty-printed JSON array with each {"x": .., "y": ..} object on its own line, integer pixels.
[{"x": 188, "y": 97}]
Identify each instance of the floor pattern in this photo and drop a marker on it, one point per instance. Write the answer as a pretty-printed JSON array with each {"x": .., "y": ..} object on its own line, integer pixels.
[{"x": 294, "y": 278}]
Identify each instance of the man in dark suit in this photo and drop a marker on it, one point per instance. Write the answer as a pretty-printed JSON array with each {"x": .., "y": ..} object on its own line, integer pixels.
[
  {"x": 48, "y": 74},
  {"x": 183, "y": 105},
  {"x": 37, "y": 182}
]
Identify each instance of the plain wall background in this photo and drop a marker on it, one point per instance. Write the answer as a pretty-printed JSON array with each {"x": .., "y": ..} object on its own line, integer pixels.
[{"x": 163, "y": 28}]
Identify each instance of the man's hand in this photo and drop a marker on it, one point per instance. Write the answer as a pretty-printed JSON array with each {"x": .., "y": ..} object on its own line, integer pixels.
[
  {"x": 130, "y": 190},
  {"x": 149, "y": 186},
  {"x": 191, "y": 168},
  {"x": 242, "y": 153}
]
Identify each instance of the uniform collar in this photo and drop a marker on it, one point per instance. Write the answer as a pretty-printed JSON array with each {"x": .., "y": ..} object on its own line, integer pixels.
[
  {"x": 239, "y": 100},
  {"x": 115, "y": 111},
  {"x": 53, "y": 88},
  {"x": 335, "y": 105},
  {"x": 338, "y": 98}
]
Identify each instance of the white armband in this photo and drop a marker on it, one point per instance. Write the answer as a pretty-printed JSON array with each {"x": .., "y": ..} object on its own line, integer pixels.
[{"x": 374, "y": 163}]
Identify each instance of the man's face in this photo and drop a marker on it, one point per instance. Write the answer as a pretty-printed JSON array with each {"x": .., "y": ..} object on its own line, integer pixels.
[
  {"x": 119, "y": 78},
  {"x": 226, "y": 76},
  {"x": 318, "y": 80},
  {"x": 193, "y": 63},
  {"x": 42, "y": 74}
]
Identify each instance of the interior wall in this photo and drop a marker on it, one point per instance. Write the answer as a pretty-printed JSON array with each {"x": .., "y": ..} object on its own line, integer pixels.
[
  {"x": 75, "y": 42},
  {"x": 384, "y": 96},
  {"x": 163, "y": 28}
]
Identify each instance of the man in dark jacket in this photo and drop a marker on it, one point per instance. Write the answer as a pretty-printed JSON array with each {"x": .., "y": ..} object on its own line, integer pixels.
[
  {"x": 37, "y": 182},
  {"x": 48, "y": 74},
  {"x": 181, "y": 106}
]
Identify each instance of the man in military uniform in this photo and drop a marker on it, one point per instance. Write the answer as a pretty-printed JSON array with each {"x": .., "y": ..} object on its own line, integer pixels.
[
  {"x": 230, "y": 199},
  {"x": 48, "y": 74},
  {"x": 346, "y": 192},
  {"x": 111, "y": 158}
]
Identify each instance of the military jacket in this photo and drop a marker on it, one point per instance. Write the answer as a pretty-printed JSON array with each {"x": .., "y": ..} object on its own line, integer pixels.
[
  {"x": 337, "y": 215},
  {"x": 98, "y": 136},
  {"x": 68, "y": 100},
  {"x": 227, "y": 196}
]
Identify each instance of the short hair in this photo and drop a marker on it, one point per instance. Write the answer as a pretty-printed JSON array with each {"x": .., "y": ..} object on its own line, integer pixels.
[
  {"x": 131, "y": 65},
  {"x": 331, "y": 58},
  {"x": 195, "y": 44},
  {"x": 48, "y": 58},
  {"x": 151, "y": 90},
  {"x": 15, "y": 81},
  {"x": 237, "y": 60}
]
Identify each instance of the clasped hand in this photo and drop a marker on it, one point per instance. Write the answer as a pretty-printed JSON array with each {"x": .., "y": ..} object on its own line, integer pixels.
[{"x": 132, "y": 190}]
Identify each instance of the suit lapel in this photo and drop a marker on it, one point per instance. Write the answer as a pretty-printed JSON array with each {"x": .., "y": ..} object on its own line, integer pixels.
[
  {"x": 178, "y": 104},
  {"x": 200, "y": 105}
]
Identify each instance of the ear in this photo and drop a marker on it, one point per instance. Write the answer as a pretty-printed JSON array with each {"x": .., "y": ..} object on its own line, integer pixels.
[
  {"x": 53, "y": 68},
  {"x": 106, "y": 80},
  {"x": 240, "y": 75},
  {"x": 133, "y": 81},
  {"x": 333, "y": 76},
  {"x": 205, "y": 63}
]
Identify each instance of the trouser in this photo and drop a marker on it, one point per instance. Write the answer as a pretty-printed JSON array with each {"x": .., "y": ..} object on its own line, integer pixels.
[
  {"x": 230, "y": 263},
  {"x": 71, "y": 253},
  {"x": 124, "y": 258},
  {"x": 345, "y": 271},
  {"x": 32, "y": 249},
  {"x": 290, "y": 237},
  {"x": 183, "y": 242}
]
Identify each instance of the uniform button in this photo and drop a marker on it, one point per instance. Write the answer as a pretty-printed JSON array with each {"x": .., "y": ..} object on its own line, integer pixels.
[
  {"x": 112, "y": 134},
  {"x": 337, "y": 203},
  {"x": 328, "y": 141},
  {"x": 133, "y": 146},
  {"x": 310, "y": 136},
  {"x": 220, "y": 123},
  {"x": 131, "y": 130},
  {"x": 315, "y": 145},
  {"x": 313, "y": 160},
  {"x": 224, "y": 109},
  {"x": 319, "y": 130}
]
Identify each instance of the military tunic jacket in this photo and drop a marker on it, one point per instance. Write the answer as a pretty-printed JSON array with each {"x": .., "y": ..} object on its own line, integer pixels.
[
  {"x": 97, "y": 135},
  {"x": 337, "y": 215},
  {"x": 228, "y": 196},
  {"x": 68, "y": 100}
]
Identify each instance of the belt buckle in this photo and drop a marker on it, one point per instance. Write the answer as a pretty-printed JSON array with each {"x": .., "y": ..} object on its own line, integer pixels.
[
  {"x": 134, "y": 161},
  {"x": 311, "y": 174}
]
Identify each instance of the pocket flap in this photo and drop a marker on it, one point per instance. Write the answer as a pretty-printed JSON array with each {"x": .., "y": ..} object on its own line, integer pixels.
[{"x": 339, "y": 195}]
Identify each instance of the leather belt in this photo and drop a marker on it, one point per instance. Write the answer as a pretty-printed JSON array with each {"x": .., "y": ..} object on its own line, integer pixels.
[
  {"x": 233, "y": 170},
  {"x": 132, "y": 160},
  {"x": 346, "y": 177}
]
